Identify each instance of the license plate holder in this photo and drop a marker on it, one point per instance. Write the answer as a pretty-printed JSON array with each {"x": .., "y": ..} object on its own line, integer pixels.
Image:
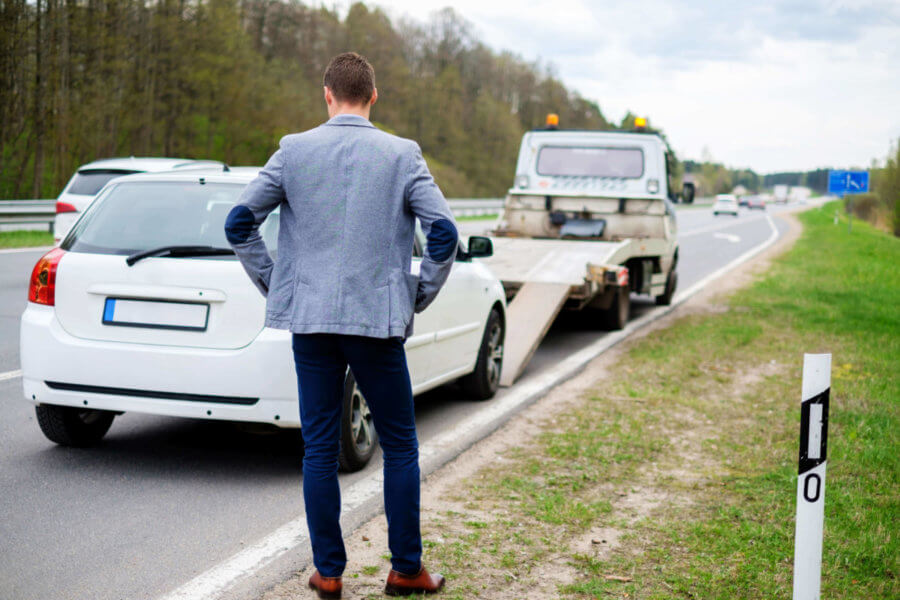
[{"x": 156, "y": 314}]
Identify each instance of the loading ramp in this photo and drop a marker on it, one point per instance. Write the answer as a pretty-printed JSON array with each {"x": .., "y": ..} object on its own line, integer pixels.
[{"x": 541, "y": 275}]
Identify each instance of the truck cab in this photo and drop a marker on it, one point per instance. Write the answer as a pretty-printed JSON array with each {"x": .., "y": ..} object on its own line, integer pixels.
[{"x": 601, "y": 185}]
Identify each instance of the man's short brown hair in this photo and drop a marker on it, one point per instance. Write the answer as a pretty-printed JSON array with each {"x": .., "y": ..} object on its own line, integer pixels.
[{"x": 350, "y": 78}]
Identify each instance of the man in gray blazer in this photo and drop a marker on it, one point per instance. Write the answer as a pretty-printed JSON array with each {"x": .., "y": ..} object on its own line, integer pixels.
[{"x": 350, "y": 195}]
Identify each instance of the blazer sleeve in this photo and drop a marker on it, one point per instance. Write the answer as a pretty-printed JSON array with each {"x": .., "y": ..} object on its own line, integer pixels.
[
  {"x": 260, "y": 197},
  {"x": 426, "y": 202}
]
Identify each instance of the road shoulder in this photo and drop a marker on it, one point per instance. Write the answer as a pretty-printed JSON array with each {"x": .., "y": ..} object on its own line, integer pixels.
[{"x": 446, "y": 515}]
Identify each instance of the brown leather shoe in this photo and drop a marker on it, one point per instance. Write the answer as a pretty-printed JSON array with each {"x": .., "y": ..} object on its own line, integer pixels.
[
  {"x": 326, "y": 587},
  {"x": 422, "y": 582}
]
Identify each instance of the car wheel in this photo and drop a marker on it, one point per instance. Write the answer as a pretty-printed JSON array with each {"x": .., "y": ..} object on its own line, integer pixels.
[
  {"x": 715, "y": 214},
  {"x": 616, "y": 316},
  {"x": 72, "y": 426},
  {"x": 358, "y": 437},
  {"x": 671, "y": 283},
  {"x": 483, "y": 382}
]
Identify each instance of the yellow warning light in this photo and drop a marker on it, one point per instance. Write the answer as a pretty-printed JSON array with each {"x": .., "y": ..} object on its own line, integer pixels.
[
  {"x": 552, "y": 120},
  {"x": 640, "y": 123}
]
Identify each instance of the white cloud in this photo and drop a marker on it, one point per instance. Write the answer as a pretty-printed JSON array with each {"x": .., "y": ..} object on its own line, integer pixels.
[{"x": 777, "y": 85}]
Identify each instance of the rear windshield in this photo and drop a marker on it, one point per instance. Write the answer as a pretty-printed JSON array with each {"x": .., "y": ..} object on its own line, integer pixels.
[
  {"x": 141, "y": 215},
  {"x": 591, "y": 161},
  {"x": 89, "y": 182}
]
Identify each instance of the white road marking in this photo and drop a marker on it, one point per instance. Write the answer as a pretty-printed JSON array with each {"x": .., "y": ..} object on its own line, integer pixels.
[
  {"x": 34, "y": 249},
  {"x": 438, "y": 450},
  {"x": 681, "y": 297},
  {"x": 10, "y": 375},
  {"x": 721, "y": 225},
  {"x": 734, "y": 239}
]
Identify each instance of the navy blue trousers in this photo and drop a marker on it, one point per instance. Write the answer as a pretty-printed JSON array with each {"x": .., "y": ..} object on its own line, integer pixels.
[{"x": 379, "y": 366}]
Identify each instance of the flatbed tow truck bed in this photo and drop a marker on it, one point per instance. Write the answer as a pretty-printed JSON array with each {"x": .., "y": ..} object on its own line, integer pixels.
[{"x": 543, "y": 275}]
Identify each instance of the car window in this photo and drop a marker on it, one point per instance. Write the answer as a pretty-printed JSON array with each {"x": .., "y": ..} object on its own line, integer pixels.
[
  {"x": 141, "y": 215},
  {"x": 591, "y": 162},
  {"x": 88, "y": 182}
]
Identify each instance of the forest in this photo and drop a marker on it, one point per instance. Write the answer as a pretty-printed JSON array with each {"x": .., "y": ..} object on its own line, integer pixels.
[{"x": 225, "y": 79}]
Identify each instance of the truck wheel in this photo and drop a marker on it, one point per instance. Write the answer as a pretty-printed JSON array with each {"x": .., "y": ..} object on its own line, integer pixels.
[
  {"x": 71, "y": 426},
  {"x": 358, "y": 437},
  {"x": 482, "y": 383},
  {"x": 616, "y": 316},
  {"x": 671, "y": 283}
]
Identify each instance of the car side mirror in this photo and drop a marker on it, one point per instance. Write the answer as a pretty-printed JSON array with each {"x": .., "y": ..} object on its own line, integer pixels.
[
  {"x": 480, "y": 247},
  {"x": 687, "y": 193}
]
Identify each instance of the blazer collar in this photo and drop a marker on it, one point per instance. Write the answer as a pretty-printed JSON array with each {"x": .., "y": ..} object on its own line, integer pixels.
[{"x": 354, "y": 120}]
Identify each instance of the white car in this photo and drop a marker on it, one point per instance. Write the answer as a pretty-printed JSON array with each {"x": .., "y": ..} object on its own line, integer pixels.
[
  {"x": 90, "y": 179},
  {"x": 144, "y": 308},
  {"x": 726, "y": 204}
]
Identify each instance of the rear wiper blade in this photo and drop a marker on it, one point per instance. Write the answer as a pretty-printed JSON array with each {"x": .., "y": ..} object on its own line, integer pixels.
[{"x": 178, "y": 251}]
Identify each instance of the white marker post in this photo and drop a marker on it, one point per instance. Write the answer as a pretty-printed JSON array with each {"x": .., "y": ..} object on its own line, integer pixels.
[{"x": 811, "y": 480}]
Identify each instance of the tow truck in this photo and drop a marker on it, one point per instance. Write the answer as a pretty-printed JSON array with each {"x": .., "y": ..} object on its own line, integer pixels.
[{"x": 588, "y": 222}]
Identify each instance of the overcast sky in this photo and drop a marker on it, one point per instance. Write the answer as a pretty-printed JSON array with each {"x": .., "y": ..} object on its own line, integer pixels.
[{"x": 769, "y": 84}]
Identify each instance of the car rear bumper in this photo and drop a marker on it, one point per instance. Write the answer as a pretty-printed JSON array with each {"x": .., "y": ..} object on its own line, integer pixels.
[{"x": 255, "y": 383}]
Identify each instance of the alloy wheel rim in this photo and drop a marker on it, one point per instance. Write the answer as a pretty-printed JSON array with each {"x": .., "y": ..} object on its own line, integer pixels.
[
  {"x": 360, "y": 421},
  {"x": 495, "y": 354}
]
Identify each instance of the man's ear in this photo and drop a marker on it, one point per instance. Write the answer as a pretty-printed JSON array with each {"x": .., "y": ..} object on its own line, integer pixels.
[
  {"x": 374, "y": 96},
  {"x": 329, "y": 97}
]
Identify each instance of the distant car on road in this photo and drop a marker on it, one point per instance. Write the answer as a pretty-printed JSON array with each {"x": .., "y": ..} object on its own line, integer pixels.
[
  {"x": 725, "y": 204},
  {"x": 756, "y": 202},
  {"x": 90, "y": 178},
  {"x": 743, "y": 200},
  {"x": 144, "y": 308}
]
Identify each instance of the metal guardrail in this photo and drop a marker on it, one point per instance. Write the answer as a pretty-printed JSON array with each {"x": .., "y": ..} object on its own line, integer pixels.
[
  {"x": 43, "y": 212},
  {"x": 28, "y": 212},
  {"x": 473, "y": 207}
]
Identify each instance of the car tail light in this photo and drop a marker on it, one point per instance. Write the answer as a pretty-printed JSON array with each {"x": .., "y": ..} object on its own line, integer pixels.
[
  {"x": 42, "y": 289},
  {"x": 65, "y": 207}
]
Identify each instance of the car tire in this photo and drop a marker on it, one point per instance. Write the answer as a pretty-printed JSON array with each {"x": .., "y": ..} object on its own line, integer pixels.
[
  {"x": 358, "y": 436},
  {"x": 671, "y": 284},
  {"x": 73, "y": 426},
  {"x": 616, "y": 316},
  {"x": 483, "y": 382},
  {"x": 715, "y": 214}
]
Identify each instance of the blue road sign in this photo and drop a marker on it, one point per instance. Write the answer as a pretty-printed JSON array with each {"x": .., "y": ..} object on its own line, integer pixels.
[{"x": 848, "y": 182}]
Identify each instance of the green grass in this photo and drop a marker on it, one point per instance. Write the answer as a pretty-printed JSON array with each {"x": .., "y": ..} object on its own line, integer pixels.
[
  {"x": 24, "y": 239},
  {"x": 701, "y": 420}
]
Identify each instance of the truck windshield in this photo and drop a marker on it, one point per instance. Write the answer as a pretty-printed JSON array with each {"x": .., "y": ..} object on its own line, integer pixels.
[
  {"x": 136, "y": 216},
  {"x": 591, "y": 162}
]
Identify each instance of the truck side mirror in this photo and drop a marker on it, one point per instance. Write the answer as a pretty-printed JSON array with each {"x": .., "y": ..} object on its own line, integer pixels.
[
  {"x": 687, "y": 193},
  {"x": 480, "y": 247}
]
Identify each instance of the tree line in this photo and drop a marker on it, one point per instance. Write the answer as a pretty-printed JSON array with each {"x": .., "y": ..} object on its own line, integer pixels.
[
  {"x": 881, "y": 206},
  {"x": 225, "y": 79}
]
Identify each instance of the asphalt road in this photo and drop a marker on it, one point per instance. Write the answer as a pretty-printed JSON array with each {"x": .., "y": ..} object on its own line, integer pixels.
[{"x": 162, "y": 500}]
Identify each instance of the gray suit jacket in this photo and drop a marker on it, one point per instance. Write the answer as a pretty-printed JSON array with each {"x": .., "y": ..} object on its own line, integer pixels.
[{"x": 349, "y": 196}]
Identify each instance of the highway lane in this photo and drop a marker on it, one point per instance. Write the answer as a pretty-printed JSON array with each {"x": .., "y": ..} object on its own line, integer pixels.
[
  {"x": 161, "y": 500},
  {"x": 15, "y": 269}
]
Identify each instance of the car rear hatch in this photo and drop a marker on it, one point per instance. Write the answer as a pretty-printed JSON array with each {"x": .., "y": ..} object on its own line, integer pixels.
[{"x": 190, "y": 301}]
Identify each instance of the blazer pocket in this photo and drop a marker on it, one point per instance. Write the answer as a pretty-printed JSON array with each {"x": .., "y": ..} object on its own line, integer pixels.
[
  {"x": 280, "y": 294},
  {"x": 403, "y": 287}
]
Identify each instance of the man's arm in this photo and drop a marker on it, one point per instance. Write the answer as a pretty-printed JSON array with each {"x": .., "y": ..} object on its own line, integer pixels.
[
  {"x": 428, "y": 204},
  {"x": 260, "y": 197}
]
